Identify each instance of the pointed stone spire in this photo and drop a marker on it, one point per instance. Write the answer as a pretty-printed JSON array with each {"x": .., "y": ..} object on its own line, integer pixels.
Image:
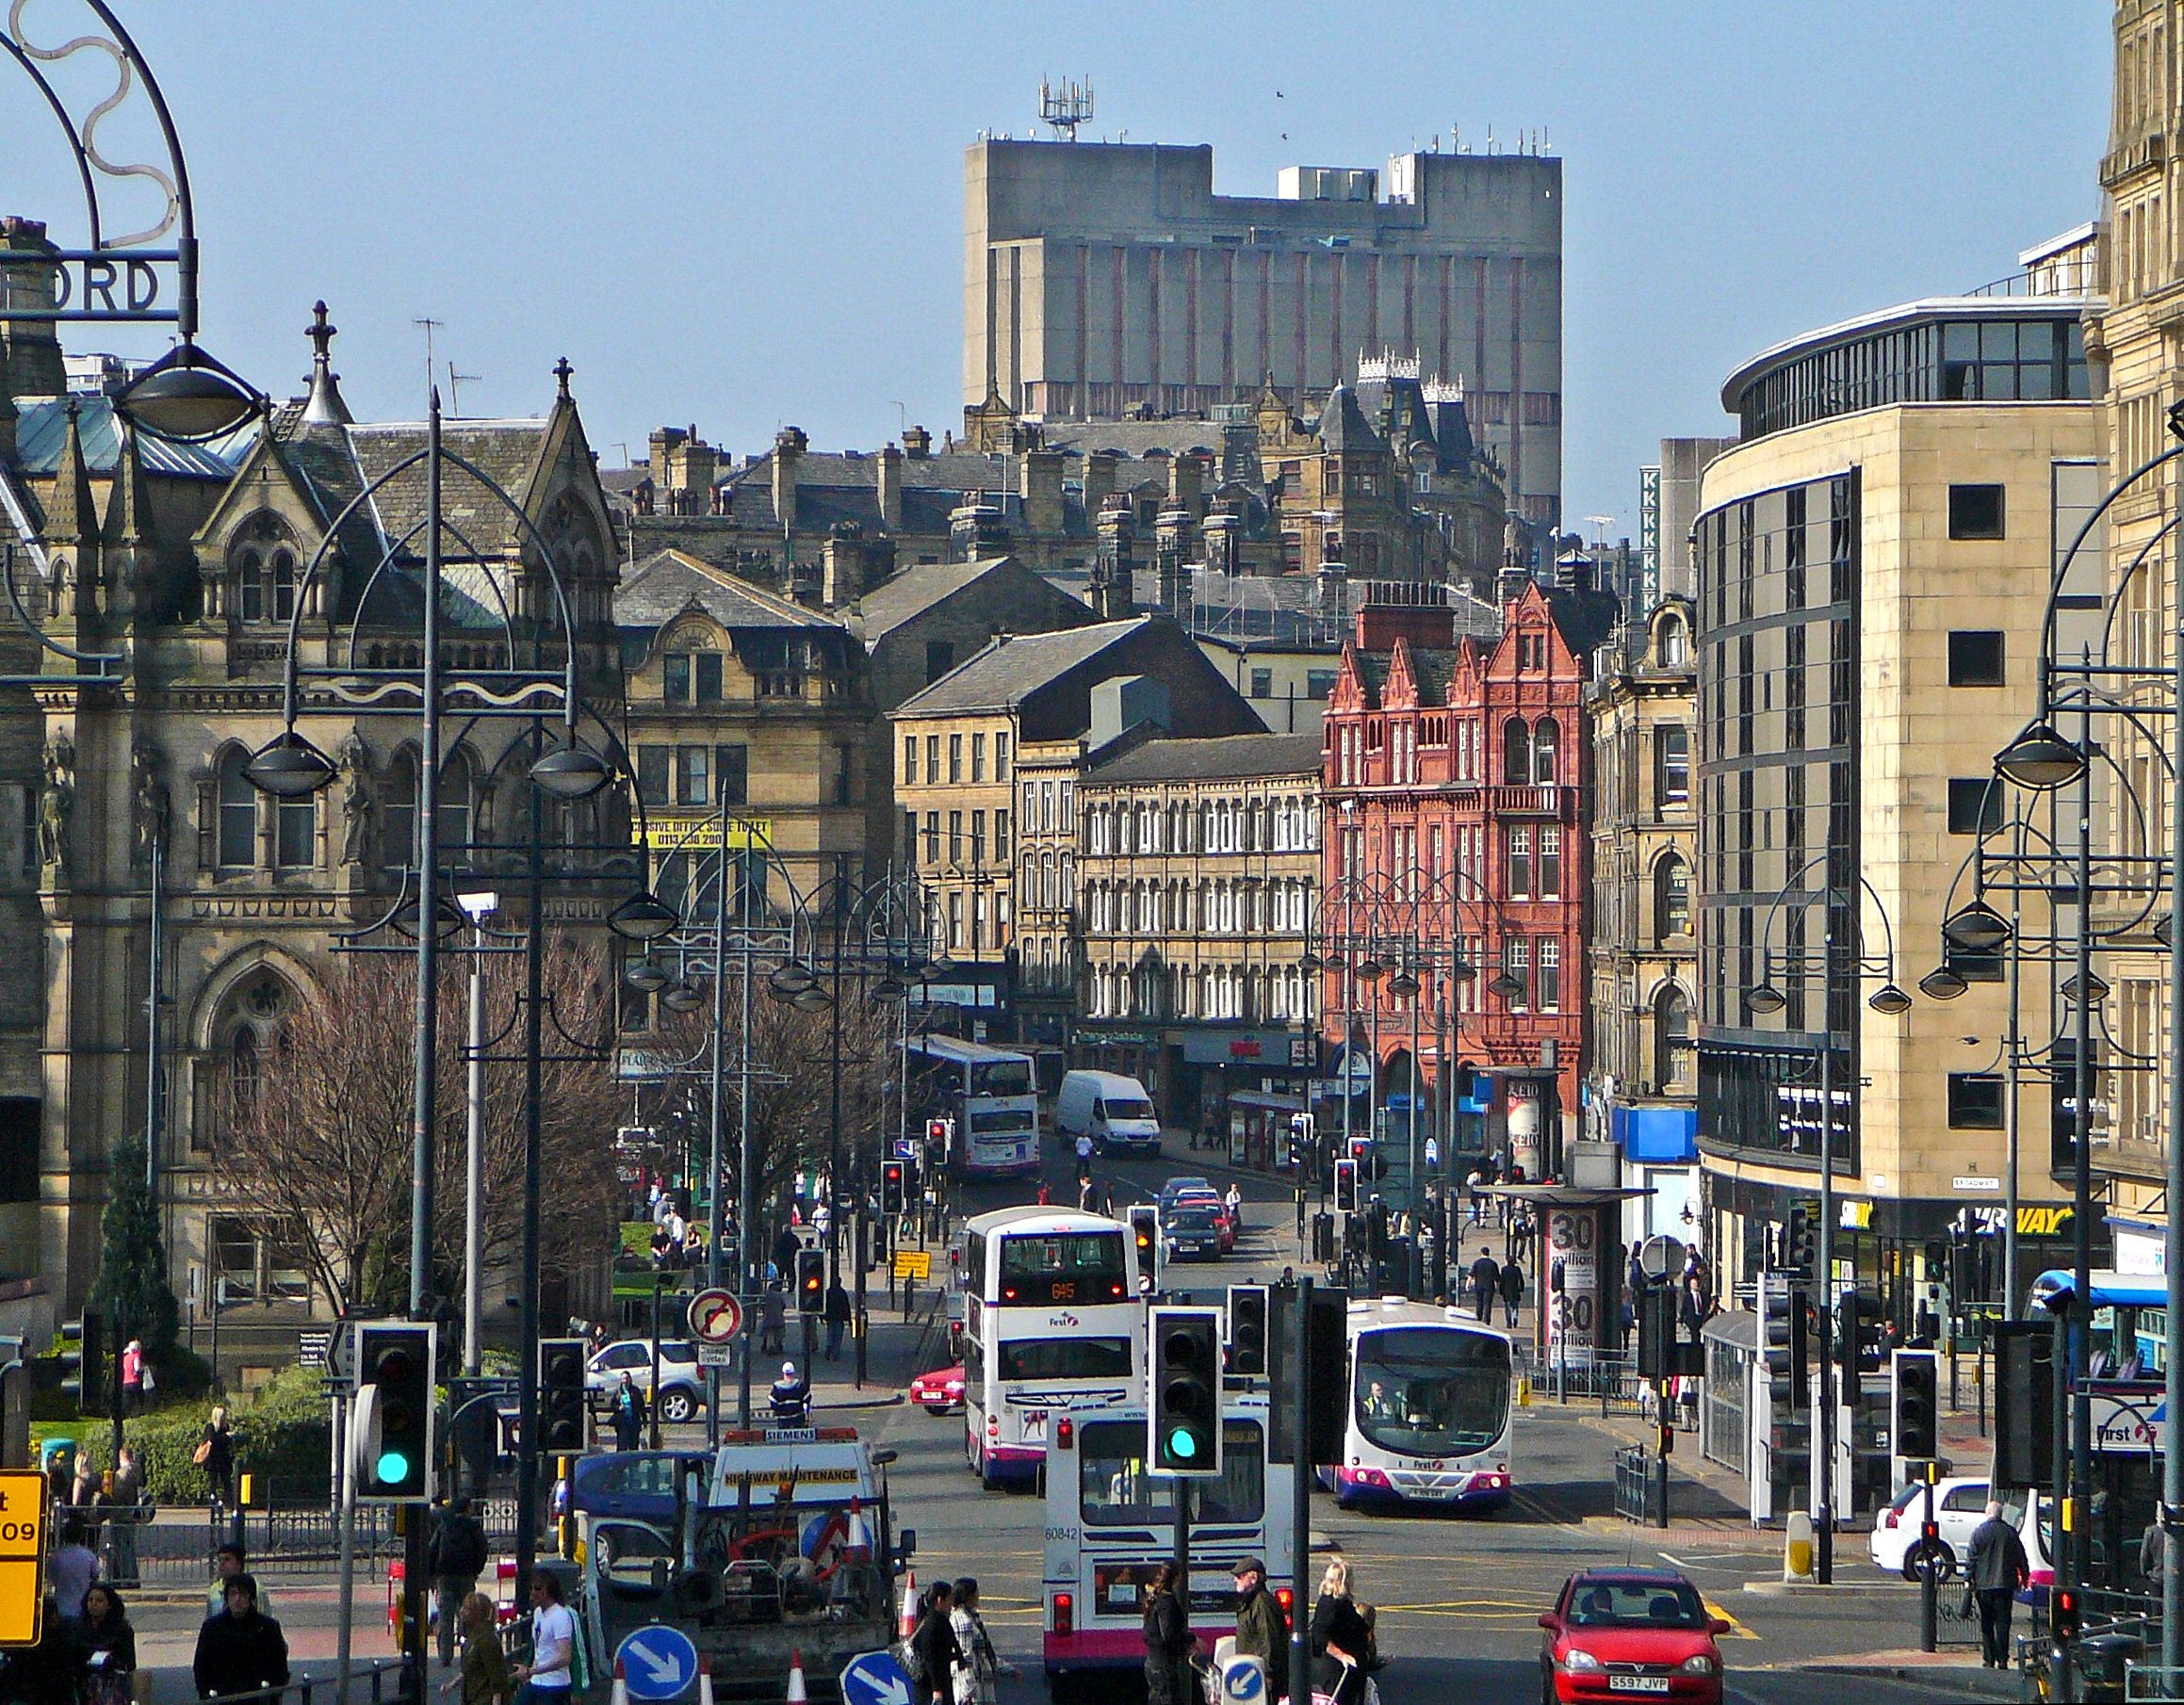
[
  {"x": 129, "y": 505},
  {"x": 71, "y": 516},
  {"x": 324, "y": 406}
]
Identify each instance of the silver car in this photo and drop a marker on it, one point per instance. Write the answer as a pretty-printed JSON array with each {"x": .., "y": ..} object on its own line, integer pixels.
[{"x": 682, "y": 1386}]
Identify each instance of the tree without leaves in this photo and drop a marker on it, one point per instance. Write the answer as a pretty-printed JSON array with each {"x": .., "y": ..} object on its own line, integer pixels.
[{"x": 323, "y": 1143}]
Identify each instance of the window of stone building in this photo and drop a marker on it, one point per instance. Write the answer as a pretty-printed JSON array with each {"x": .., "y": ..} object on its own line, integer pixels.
[
  {"x": 655, "y": 771},
  {"x": 977, "y": 839},
  {"x": 933, "y": 757},
  {"x": 1550, "y": 861},
  {"x": 932, "y": 838},
  {"x": 844, "y": 775},
  {"x": 1001, "y": 836},
  {"x": 296, "y": 833},
  {"x": 1975, "y": 512},
  {"x": 1975, "y": 805},
  {"x": 1517, "y": 963},
  {"x": 1671, "y": 766},
  {"x": 910, "y": 758},
  {"x": 1001, "y": 757},
  {"x": 910, "y": 837},
  {"x": 1675, "y": 1058},
  {"x": 1671, "y": 898},
  {"x": 675, "y": 678},
  {"x": 955, "y": 758},
  {"x": 1263, "y": 683},
  {"x": 978, "y": 757},
  {"x": 237, "y": 806},
  {"x": 1550, "y": 983},
  {"x": 693, "y": 775},
  {"x": 707, "y": 669},
  {"x": 1546, "y": 737},
  {"x": 1516, "y": 752},
  {"x": 1975, "y": 656},
  {"x": 1975, "y": 1101}
]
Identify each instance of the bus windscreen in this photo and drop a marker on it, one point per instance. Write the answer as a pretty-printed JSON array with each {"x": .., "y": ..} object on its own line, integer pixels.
[
  {"x": 1116, "y": 1490},
  {"x": 1424, "y": 1391}
]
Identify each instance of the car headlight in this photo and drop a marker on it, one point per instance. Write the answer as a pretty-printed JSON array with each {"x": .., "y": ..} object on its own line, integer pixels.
[
  {"x": 1698, "y": 1664},
  {"x": 1578, "y": 1663}
]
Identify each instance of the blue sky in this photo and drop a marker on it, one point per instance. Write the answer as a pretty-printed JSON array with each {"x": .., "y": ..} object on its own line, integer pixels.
[{"x": 743, "y": 216}]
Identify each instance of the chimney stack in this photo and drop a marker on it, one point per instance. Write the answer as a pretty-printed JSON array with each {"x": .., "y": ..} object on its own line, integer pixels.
[
  {"x": 1098, "y": 482},
  {"x": 1042, "y": 489},
  {"x": 788, "y": 449},
  {"x": 891, "y": 479},
  {"x": 918, "y": 443}
]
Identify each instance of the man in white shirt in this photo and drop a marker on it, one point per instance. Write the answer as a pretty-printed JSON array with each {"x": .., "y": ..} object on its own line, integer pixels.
[{"x": 549, "y": 1676}]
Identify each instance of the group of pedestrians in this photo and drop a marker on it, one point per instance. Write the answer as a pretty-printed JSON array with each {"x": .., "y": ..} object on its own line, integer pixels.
[
  {"x": 1489, "y": 1281},
  {"x": 950, "y": 1655},
  {"x": 1341, "y": 1639}
]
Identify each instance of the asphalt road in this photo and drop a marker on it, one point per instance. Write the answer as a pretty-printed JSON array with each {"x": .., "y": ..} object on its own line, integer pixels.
[{"x": 1457, "y": 1598}]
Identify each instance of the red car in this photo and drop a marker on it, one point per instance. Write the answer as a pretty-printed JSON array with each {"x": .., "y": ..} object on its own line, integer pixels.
[
  {"x": 938, "y": 1391},
  {"x": 1624, "y": 1634}
]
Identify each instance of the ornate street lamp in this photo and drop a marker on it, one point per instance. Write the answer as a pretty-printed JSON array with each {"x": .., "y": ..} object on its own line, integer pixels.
[
  {"x": 2041, "y": 758},
  {"x": 1764, "y": 998},
  {"x": 647, "y": 976},
  {"x": 288, "y": 766},
  {"x": 643, "y": 917},
  {"x": 1889, "y": 1000},
  {"x": 1941, "y": 983},
  {"x": 1977, "y": 928},
  {"x": 571, "y": 772}
]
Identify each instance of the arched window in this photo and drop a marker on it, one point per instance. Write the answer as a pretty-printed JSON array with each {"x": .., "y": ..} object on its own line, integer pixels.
[
  {"x": 1516, "y": 752},
  {"x": 1545, "y": 736},
  {"x": 399, "y": 819},
  {"x": 456, "y": 807},
  {"x": 244, "y": 1071},
  {"x": 262, "y": 566},
  {"x": 237, "y": 829},
  {"x": 1672, "y": 641},
  {"x": 1673, "y": 1053},
  {"x": 1671, "y": 898}
]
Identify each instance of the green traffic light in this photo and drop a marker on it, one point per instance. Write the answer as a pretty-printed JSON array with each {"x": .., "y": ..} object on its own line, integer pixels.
[
  {"x": 392, "y": 1469},
  {"x": 1181, "y": 1441}
]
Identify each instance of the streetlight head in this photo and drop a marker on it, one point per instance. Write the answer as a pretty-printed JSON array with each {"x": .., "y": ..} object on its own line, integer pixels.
[
  {"x": 1309, "y": 961},
  {"x": 1462, "y": 970},
  {"x": 2041, "y": 758},
  {"x": 1370, "y": 968},
  {"x": 571, "y": 772},
  {"x": 1941, "y": 983},
  {"x": 1977, "y": 928},
  {"x": 2096, "y": 988},
  {"x": 188, "y": 396},
  {"x": 647, "y": 976},
  {"x": 1889, "y": 1000},
  {"x": 1764, "y": 998},
  {"x": 1507, "y": 986},
  {"x": 2165, "y": 928},
  {"x": 791, "y": 979},
  {"x": 1403, "y": 985},
  {"x": 682, "y": 996},
  {"x": 812, "y": 999},
  {"x": 288, "y": 767},
  {"x": 452, "y": 920},
  {"x": 643, "y": 917},
  {"x": 890, "y": 989}
]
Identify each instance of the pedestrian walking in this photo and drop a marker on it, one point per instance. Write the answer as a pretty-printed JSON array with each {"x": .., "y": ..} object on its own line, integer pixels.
[
  {"x": 72, "y": 1569},
  {"x": 1486, "y": 1278},
  {"x": 110, "y": 1647},
  {"x": 241, "y": 1649},
  {"x": 455, "y": 1556},
  {"x": 791, "y": 1398},
  {"x": 626, "y": 1414},
  {"x": 1513, "y": 1288},
  {"x": 227, "y": 1563},
  {"x": 933, "y": 1653},
  {"x": 216, "y": 1455},
  {"x": 1998, "y": 1569},
  {"x": 978, "y": 1675},
  {"x": 549, "y": 1678},
  {"x": 772, "y": 1318},
  {"x": 1475, "y": 1186},
  {"x": 1261, "y": 1628},
  {"x": 1169, "y": 1679},
  {"x": 129, "y": 1514},
  {"x": 838, "y": 1312},
  {"x": 1341, "y": 1640},
  {"x": 483, "y": 1677},
  {"x": 135, "y": 1381}
]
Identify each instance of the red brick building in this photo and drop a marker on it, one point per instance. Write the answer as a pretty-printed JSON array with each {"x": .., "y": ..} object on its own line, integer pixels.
[{"x": 1453, "y": 839}]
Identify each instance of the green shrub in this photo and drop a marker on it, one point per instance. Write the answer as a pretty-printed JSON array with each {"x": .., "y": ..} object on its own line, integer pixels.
[{"x": 282, "y": 1437}]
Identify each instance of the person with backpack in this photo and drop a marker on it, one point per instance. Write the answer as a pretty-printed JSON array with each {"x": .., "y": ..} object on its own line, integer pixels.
[{"x": 455, "y": 1556}]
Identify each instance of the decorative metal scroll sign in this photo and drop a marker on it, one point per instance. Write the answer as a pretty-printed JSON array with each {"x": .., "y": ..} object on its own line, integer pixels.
[{"x": 145, "y": 275}]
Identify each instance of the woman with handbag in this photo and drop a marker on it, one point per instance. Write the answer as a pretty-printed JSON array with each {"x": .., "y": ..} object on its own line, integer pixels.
[
  {"x": 1342, "y": 1640},
  {"x": 110, "y": 1647},
  {"x": 216, "y": 1455},
  {"x": 1169, "y": 1678}
]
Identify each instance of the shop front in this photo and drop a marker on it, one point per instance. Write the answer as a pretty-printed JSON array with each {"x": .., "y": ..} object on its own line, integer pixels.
[{"x": 1208, "y": 1064}]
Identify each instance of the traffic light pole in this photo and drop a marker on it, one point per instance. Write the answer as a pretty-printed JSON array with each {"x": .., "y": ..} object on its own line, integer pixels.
[
  {"x": 1182, "y": 1558},
  {"x": 1299, "y": 1489},
  {"x": 526, "y": 1459},
  {"x": 1824, "y": 1423}
]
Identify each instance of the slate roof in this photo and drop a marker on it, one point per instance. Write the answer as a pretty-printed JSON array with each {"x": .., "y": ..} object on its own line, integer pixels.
[
  {"x": 1134, "y": 438},
  {"x": 506, "y": 451},
  {"x": 668, "y": 582},
  {"x": 43, "y": 426},
  {"x": 1343, "y": 425},
  {"x": 1431, "y": 669},
  {"x": 912, "y": 591},
  {"x": 1010, "y": 669},
  {"x": 1228, "y": 757}
]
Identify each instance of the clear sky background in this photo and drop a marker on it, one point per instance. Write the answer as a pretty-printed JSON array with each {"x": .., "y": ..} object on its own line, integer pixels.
[{"x": 742, "y": 216}]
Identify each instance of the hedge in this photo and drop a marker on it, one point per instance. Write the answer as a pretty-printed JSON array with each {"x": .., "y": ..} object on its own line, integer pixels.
[{"x": 283, "y": 1436}]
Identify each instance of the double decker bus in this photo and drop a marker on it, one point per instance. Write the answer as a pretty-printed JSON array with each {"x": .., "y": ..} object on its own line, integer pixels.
[
  {"x": 1051, "y": 1320},
  {"x": 1431, "y": 1399},
  {"x": 992, "y": 1096},
  {"x": 1110, "y": 1525}
]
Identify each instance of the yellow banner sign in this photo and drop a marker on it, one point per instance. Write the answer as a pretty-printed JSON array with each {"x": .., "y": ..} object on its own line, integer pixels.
[
  {"x": 22, "y": 1555},
  {"x": 913, "y": 1263},
  {"x": 702, "y": 834}
]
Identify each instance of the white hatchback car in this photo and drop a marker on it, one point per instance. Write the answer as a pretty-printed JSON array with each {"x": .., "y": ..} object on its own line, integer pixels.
[{"x": 1960, "y": 1504}]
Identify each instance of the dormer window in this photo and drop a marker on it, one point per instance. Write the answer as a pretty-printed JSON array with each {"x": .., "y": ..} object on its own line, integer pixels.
[
  {"x": 690, "y": 677},
  {"x": 263, "y": 564}
]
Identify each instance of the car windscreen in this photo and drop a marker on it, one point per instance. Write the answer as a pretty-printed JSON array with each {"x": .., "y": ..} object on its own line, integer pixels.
[
  {"x": 1194, "y": 1220},
  {"x": 1431, "y": 1391},
  {"x": 1636, "y": 1605},
  {"x": 1064, "y": 1359}
]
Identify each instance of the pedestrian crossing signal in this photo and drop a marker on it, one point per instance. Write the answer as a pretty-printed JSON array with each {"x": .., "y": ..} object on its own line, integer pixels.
[{"x": 1346, "y": 1186}]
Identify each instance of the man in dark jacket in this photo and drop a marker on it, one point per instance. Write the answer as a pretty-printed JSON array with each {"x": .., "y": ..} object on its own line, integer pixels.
[
  {"x": 455, "y": 1556},
  {"x": 1486, "y": 1279},
  {"x": 838, "y": 1313},
  {"x": 1998, "y": 1566},
  {"x": 1262, "y": 1629},
  {"x": 240, "y": 1650},
  {"x": 934, "y": 1653}
]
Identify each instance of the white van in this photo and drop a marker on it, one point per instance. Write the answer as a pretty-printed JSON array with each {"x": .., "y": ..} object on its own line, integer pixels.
[{"x": 1114, "y": 1110}]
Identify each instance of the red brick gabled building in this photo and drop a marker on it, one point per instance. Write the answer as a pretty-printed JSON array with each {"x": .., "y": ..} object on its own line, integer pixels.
[{"x": 1453, "y": 839}]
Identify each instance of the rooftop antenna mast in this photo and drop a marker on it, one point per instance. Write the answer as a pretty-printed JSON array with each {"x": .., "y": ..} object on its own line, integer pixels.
[
  {"x": 430, "y": 326},
  {"x": 454, "y": 392},
  {"x": 1600, "y": 526},
  {"x": 1065, "y": 106}
]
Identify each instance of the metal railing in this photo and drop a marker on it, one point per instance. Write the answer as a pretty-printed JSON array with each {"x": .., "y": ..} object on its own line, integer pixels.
[
  {"x": 379, "y": 1680},
  {"x": 1610, "y": 1380},
  {"x": 134, "y": 1548},
  {"x": 1641, "y": 1486}
]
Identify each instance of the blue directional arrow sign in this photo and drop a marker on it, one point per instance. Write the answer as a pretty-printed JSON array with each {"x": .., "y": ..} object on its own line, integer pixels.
[
  {"x": 873, "y": 1678},
  {"x": 657, "y": 1663}
]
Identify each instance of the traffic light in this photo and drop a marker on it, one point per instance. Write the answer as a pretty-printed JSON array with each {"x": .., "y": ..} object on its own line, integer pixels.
[
  {"x": 891, "y": 1179},
  {"x": 2024, "y": 1402},
  {"x": 1184, "y": 1402},
  {"x": 1778, "y": 1309},
  {"x": 1346, "y": 1186},
  {"x": 561, "y": 1396},
  {"x": 1913, "y": 1428},
  {"x": 811, "y": 1280},
  {"x": 83, "y": 1363},
  {"x": 1247, "y": 1330},
  {"x": 1145, "y": 1241},
  {"x": 1300, "y": 1142},
  {"x": 1323, "y": 1375},
  {"x": 1801, "y": 1242},
  {"x": 2064, "y": 1613},
  {"x": 1858, "y": 1317},
  {"x": 392, "y": 1442},
  {"x": 1656, "y": 1308},
  {"x": 941, "y": 1136}
]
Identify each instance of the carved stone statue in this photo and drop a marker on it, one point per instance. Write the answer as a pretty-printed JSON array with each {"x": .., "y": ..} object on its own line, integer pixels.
[
  {"x": 148, "y": 803},
  {"x": 56, "y": 806},
  {"x": 358, "y": 802}
]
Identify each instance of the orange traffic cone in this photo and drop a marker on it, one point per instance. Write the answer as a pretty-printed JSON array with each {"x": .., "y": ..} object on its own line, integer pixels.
[
  {"x": 621, "y": 1694},
  {"x": 906, "y": 1624},
  {"x": 705, "y": 1682},
  {"x": 796, "y": 1694},
  {"x": 858, "y": 1544}
]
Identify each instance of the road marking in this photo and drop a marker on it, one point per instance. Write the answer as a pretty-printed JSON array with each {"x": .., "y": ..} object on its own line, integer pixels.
[
  {"x": 1468, "y": 1609},
  {"x": 1737, "y": 1629}
]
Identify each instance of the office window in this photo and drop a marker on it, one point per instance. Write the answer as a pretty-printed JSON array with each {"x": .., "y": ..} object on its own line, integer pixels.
[
  {"x": 954, "y": 920},
  {"x": 1550, "y": 861},
  {"x": 844, "y": 775},
  {"x": 977, "y": 838},
  {"x": 978, "y": 757},
  {"x": 1001, "y": 757},
  {"x": 708, "y": 670},
  {"x": 1517, "y": 860},
  {"x": 1549, "y": 988},
  {"x": 910, "y": 837},
  {"x": 675, "y": 678},
  {"x": 1975, "y": 656},
  {"x": 955, "y": 838},
  {"x": 238, "y": 818},
  {"x": 1671, "y": 898},
  {"x": 1671, "y": 767},
  {"x": 732, "y": 774},
  {"x": 1974, "y": 1101},
  {"x": 1000, "y": 836},
  {"x": 932, "y": 838},
  {"x": 955, "y": 757},
  {"x": 933, "y": 757},
  {"x": 939, "y": 659},
  {"x": 296, "y": 833},
  {"x": 1517, "y": 961},
  {"x": 1975, "y": 512},
  {"x": 655, "y": 769},
  {"x": 1975, "y": 805},
  {"x": 910, "y": 757},
  {"x": 1263, "y": 683},
  {"x": 693, "y": 775},
  {"x": 1318, "y": 683}
]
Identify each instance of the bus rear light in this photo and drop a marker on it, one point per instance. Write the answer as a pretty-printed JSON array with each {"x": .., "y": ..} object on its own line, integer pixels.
[
  {"x": 1115, "y": 1290},
  {"x": 1064, "y": 1434},
  {"x": 1372, "y": 1477},
  {"x": 993, "y": 1426},
  {"x": 1008, "y": 1293},
  {"x": 1064, "y": 1613}
]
